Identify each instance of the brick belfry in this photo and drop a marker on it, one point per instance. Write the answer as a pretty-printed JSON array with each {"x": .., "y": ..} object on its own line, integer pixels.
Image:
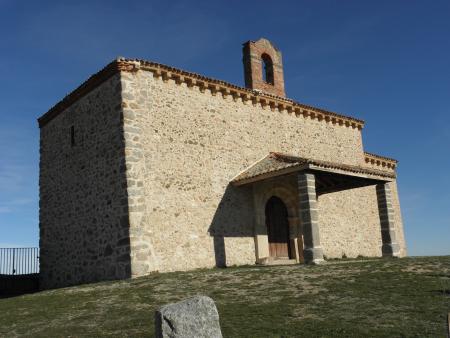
[{"x": 263, "y": 67}]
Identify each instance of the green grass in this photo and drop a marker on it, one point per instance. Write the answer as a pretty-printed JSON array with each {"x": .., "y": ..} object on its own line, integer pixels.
[{"x": 408, "y": 297}]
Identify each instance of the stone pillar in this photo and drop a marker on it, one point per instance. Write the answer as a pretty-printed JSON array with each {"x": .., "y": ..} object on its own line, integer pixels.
[
  {"x": 261, "y": 238},
  {"x": 312, "y": 252},
  {"x": 390, "y": 247},
  {"x": 295, "y": 238}
]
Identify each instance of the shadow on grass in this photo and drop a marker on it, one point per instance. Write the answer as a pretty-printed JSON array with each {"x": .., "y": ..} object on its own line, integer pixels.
[
  {"x": 17, "y": 285},
  {"x": 441, "y": 275},
  {"x": 445, "y": 292}
]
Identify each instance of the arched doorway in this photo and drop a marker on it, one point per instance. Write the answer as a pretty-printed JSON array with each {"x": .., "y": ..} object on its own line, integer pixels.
[{"x": 277, "y": 228}]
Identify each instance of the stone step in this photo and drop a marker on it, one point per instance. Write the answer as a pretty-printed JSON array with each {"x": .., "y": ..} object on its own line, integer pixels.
[{"x": 281, "y": 261}]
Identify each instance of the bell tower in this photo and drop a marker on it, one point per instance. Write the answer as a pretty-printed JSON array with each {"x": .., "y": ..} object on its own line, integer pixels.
[{"x": 263, "y": 67}]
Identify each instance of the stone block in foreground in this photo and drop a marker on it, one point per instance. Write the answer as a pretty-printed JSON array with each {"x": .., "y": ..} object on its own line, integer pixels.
[{"x": 193, "y": 317}]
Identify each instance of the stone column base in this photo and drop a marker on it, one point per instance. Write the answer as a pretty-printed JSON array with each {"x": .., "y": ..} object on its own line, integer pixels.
[
  {"x": 390, "y": 250},
  {"x": 313, "y": 255},
  {"x": 263, "y": 261}
]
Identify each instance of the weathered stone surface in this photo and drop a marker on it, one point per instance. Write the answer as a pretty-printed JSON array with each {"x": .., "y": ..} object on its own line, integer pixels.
[
  {"x": 194, "y": 143},
  {"x": 152, "y": 162},
  {"x": 193, "y": 317},
  {"x": 82, "y": 190},
  {"x": 309, "y": 215},
  {"x": 387, "y": 219}
]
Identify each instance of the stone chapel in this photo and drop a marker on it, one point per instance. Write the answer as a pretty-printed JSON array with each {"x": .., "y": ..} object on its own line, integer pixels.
[{"x": 145, "y": 167}]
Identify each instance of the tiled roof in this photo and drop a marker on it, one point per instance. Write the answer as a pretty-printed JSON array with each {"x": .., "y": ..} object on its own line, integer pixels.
[
  {"x": 380, "y": 160},
  {"x": 274, "y": 163},
  {"x": 193, "y": 79}
]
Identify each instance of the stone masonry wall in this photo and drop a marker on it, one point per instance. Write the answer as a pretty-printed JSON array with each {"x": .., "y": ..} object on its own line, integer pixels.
[
  {"x": 145, "y": 186},
  {"x": 350, "y": 224},
  {"x": 83, "y": 197},
  {"x": 184, "y": 146}
]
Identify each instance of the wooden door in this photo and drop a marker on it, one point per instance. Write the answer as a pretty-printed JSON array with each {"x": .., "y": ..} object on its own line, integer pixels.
[{"x": 277, "y": 228}]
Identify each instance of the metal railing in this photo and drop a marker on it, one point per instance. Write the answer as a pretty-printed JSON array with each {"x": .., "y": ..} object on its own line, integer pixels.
[{"x": 19, "y": 261}]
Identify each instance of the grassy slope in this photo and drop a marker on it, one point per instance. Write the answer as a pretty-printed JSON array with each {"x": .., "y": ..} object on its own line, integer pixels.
[{"x": 385, "y": 298}]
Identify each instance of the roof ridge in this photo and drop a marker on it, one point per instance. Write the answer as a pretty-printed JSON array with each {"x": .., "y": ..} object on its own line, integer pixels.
[
  {"x": 253, "y": 91},
  {"x": 381, "y": 157},
  {"x": 308, "y": 161}
]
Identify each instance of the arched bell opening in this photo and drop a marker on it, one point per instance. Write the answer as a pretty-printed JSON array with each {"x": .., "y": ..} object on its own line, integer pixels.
[{"x": 267, "y": 69}]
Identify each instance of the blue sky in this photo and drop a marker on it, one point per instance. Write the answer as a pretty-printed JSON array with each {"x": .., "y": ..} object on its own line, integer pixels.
[{"x": 387, "y": 62}]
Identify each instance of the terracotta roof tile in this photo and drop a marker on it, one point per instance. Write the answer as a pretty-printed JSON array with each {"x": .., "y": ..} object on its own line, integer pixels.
[
  {"x": 275, "y": 162},
  {"x": 132, "y": 65}
]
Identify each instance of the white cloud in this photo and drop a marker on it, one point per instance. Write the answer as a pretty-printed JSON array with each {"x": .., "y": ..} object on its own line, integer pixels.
[
  {"x": 5, "y": 209},
  {"x": 14, "y": 204}
]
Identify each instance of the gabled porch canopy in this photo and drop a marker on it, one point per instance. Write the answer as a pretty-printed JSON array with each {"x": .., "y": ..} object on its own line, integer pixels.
[
  {"x": 330, "y": 177},
  {"x": 299, "y": 181}
]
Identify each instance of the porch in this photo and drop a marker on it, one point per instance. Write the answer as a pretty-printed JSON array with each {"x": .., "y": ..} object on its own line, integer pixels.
[{"x": 286, "y": 217}]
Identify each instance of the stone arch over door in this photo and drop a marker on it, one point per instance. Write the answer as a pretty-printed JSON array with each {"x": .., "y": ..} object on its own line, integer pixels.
[{"x": 286, "y": 192}]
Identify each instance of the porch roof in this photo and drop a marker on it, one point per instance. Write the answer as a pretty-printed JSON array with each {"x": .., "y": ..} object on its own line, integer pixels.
[{"x": 331, "y": 176}]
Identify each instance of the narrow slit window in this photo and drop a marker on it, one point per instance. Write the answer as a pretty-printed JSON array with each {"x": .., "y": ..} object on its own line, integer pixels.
[
  {"x": 72, "y": 136},
  {"x": 267, "y": 69}
]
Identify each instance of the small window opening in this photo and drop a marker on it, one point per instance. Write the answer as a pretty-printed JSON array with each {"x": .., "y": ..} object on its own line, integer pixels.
[
  {"x": 72, "y": 136},
  {"x": 267, "y": 69}
]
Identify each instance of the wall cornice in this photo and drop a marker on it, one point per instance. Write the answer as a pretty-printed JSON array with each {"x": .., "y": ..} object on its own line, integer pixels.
[
  {"x": 265, "y": 100},
  {"x": 255, "y": 97},
  {"x": 380, "y": 161}
]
